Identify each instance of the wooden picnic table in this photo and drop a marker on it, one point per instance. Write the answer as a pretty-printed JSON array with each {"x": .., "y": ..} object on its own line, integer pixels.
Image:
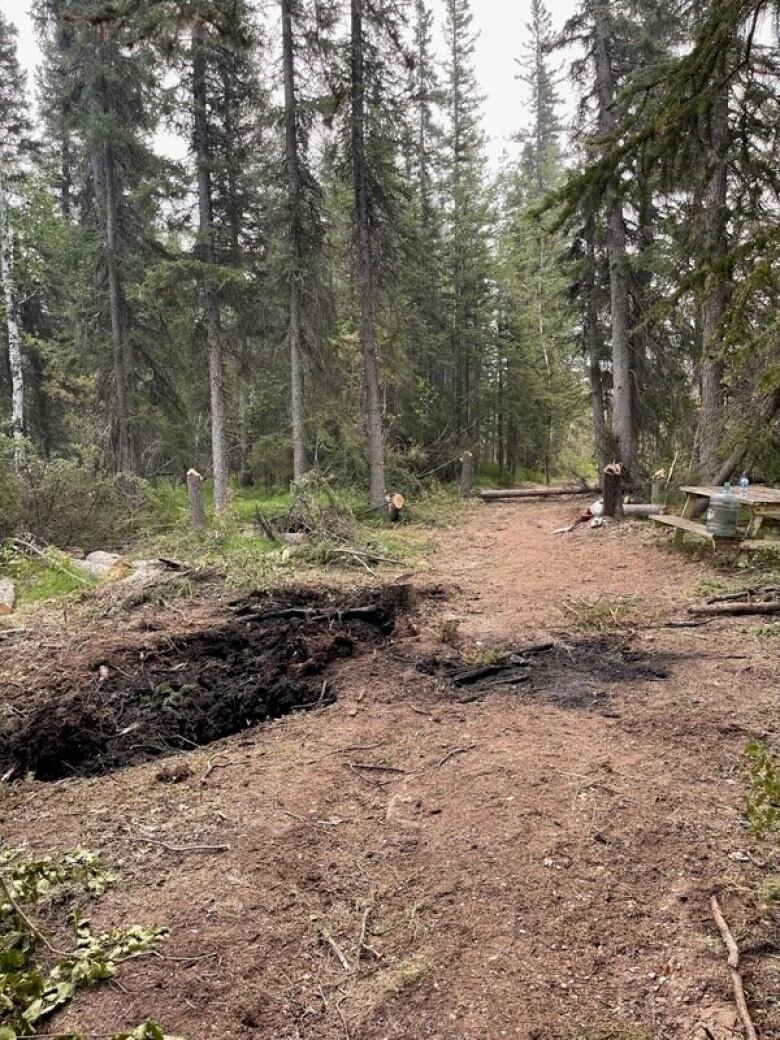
[{"x": 762, "y": 503}]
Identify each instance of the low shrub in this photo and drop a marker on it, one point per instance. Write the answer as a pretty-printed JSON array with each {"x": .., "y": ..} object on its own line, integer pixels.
[{"x": 69, "y": 502}]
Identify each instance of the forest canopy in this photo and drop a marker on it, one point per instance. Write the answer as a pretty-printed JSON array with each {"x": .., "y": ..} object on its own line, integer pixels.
[{"x": 334, "y": 275}]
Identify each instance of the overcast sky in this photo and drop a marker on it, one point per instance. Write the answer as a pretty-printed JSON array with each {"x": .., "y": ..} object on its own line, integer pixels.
[{"x": 502, "y": 28}]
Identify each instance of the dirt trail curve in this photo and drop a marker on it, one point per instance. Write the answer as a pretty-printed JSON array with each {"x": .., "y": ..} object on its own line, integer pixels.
[{"x": 407, "y": 864}]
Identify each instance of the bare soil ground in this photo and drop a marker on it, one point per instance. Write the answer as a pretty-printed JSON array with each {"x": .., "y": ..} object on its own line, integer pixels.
[{"x": 419, "y": 860}]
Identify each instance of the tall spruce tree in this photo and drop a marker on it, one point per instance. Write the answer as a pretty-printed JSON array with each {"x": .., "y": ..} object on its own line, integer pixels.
[
  {"x": 468, "y": 220},
  {"x": 296, "y": 242},
  {"x": 540, "y": 300},
  {"x": 201, "y": 55}
]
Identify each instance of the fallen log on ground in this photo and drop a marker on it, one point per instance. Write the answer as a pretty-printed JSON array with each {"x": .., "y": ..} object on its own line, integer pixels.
[
  {"x": 735, "y": 609},
  {"x": 642, "y": 510},
  {"x": 549, "y": 492}
]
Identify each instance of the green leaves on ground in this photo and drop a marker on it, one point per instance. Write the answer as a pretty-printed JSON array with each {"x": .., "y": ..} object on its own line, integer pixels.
[
  {"x": 762, "y": 772},
  {"x": 39, "y": 976}
]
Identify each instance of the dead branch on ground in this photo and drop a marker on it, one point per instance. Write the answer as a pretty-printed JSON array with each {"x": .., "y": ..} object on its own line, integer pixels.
[{"x": 733, "y": 963}]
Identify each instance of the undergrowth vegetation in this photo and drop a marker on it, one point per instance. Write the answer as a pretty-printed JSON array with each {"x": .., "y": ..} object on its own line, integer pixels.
[
  {"x": 40, "y": 975},
  {"x": 263, "y": 536}
]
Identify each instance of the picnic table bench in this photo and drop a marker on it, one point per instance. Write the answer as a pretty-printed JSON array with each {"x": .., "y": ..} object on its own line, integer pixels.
[{"x": 762, "y": 503}]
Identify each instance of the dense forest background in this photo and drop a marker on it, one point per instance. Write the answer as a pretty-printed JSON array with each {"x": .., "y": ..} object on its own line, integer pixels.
[{"x": 333, "y": 277}]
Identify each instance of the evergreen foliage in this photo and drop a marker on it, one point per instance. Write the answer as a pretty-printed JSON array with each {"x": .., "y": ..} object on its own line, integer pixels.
[{"x": 327, "y": 274}]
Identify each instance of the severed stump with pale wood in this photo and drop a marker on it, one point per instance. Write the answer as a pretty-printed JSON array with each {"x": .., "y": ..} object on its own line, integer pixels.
[
  {"x": 612, "y": 494},
  {"x": 195, "y": 496}
]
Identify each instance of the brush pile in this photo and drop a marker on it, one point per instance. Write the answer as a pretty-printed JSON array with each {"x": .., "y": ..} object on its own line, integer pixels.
[{"x": 322, "y": 527}]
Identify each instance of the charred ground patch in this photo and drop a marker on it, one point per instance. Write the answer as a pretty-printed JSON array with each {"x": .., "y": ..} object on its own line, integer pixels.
[
  {"x": 269, "y": 657},
  {"x": 575, "y": 674}
]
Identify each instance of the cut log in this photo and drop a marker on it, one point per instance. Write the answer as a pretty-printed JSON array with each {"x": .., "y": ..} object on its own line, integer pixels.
[
  {"x": 642, "y": 510},
  {"x": 549, "y": 492},
  {"x": 195, "y": 496},
  {"x": 395, "y": 504},
  {"x": 612, "y": 482},
  {"x": 467, "y": 474},
  {"x": 7, "y": 596},
  {"x": 727, "y": 609}
]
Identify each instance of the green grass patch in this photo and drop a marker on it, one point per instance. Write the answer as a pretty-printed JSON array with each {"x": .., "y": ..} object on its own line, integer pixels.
[
  {"x": 768, "y": 891},
  {"x": 36, "y": 580},
  {"x": 603, "y": 614}
]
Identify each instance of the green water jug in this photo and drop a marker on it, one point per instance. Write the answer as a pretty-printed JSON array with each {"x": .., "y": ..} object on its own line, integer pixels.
[{"x": 723, "y": 514}]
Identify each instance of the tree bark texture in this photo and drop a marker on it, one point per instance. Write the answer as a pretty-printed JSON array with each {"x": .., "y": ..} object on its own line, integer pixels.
[
  {"x": 622, "y": 374},
  {"x": 211, "y": 311},
  {"x": 295, "y": 202},
  {"x": 716, "y": 216},
  {"x": 371, "y": 397}
]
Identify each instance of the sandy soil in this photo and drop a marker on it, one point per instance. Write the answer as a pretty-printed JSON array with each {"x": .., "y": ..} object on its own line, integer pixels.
[{"x": 508, "y": 868}]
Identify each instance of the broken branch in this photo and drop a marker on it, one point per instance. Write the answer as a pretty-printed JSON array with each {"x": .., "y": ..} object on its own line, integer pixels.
[{"x": 733, "y": 962}]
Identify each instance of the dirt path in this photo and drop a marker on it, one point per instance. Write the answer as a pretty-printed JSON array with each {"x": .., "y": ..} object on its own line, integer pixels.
[{"x": 507, "y": 867}]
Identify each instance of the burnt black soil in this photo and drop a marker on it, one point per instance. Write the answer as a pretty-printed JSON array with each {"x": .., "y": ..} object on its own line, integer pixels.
[
  {"x": 583, "y": 674},
  {"x": 269, "y": 658}
]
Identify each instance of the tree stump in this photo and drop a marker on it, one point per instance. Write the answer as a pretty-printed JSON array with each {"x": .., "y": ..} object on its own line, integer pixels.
[
  {"x": 467, "y": 474},
  {"x": 395, "y": 504},
  {"x": 195, "y": 496},
  {"x": 7, "y": 596},
  {"x": 613, "y": 491}
]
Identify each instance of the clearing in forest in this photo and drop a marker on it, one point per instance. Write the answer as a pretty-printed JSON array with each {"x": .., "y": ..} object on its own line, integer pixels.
[{"x": 503, "y": 813}]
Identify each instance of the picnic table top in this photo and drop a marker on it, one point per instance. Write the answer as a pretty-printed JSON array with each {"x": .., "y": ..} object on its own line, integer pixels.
[{"x": 756, "y": 494}]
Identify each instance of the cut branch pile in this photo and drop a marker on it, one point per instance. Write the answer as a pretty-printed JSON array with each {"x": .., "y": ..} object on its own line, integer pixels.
[
  {"x": 755, "y": 600},
  {"x": 323, "y": 527}
]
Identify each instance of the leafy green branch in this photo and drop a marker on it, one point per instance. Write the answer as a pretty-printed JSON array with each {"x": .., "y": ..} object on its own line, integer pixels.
[
  {"x": 39, "y": 976},
  {"x": 762, "y": 799}
]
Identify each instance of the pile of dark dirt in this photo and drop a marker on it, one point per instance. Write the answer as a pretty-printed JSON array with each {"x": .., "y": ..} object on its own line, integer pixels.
[
  {"x": 271, "y": 657},
  {"x": 576, "y": 674}
]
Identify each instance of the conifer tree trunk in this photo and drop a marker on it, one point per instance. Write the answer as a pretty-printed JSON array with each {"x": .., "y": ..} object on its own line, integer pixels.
[
  {"x": 12, "y": 327},
  {"x": 104, "y": 168},
  {"x": 206, "y": 251},
  {"x": 371, "y": 397},
  {"x": 294, "y": 330},
  {"x": 592, "y": 348},
  {"x": 65, "y": 175},
  {"x": 622, "y": 374},
  {"x": 715, "y": 216}
]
